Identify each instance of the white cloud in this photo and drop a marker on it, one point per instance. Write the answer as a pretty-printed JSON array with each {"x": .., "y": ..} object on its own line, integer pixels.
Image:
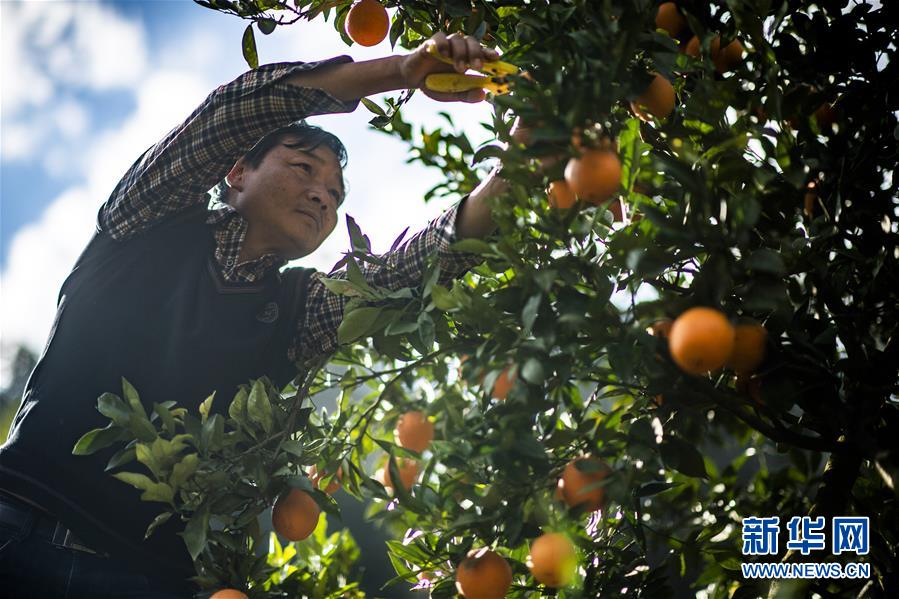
[
  {"x": 40, "y": 257},
  {"x": 83, "y": 44},
  {"x": 51, "y": 49}
]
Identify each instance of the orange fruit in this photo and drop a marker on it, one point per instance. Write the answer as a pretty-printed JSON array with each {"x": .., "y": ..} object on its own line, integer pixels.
[
  {"x": 657, "y": 100},
  {"x": 483, "y": 574},
  {"x": 810, "y": 199},
  {"x": 560, "y": 194},
  {"x": 295, "y": 515},
  {"x": 725, "y": 59},
  {"x": 573, "y": 482},
  {"x": 414, "y": 431},
  {"x": 367, "y": 23},
  {"x": 504, "y": 383},
  {"x": 692, "y": 47},
  {"x": 228, "y": 594},
  {"x": 616, "y": 207},
  {"x": 552, "y": 559},
  {"x": 316, "y": 478},
  {"x": 826, "y": 116},
  {"x": 749, "y": 348},
  {"x": 701, "y": 340},
  {"x": 669, "y": 19},
  {"x": 728, "y": 57},
  {"x": 595, "y": 176},
  {"x": 408, "y": 470}
]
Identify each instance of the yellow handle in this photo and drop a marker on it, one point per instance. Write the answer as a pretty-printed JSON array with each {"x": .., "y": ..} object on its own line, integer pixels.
[
  {"x": 497, "y": 68},
  {"x": 454, "y": 83}
]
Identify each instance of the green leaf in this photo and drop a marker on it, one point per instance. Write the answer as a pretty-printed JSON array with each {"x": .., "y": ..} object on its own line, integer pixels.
[
  {"x": 345, "y": 287},
  {"x": 530, "y": 310},
  {"x": 98, "y": 439},
  {"x": 121, "y": 457},
  {"x": 767, "y": 261},
  {"x": 442, "y": 298},
  {"x": 146, "y": 457},
  {"x": 194, "y": 534},
  {"x": 132, "y": 397},
  {"x": 533, "y": 372},
  {"x": 373, "y": 107},
  {"x": 238, "y": 408},
  {"x": 135, "y": 479},
  {"x": 654, "y": 488},
  {"x": 396, "y": 29},
  {"x": 183, "y": 470},
  {"x": 213, "y": 432},
  {"x": 248, "y": 44},
  {"x": 160, "y": 492},
  {"x": 157, "y": 521},
  {"x": 491, "y": 150},
  {"x": 206, "y": 406},
  {"x": 259, "y": 408},
  {"x": 114, "y": 408},
  {"x": 357, "y": 239},
  {"x": 683, "y": 457},
  {"x": 142, "y": 428},
  {"x": 357, "y": 323},
  {"x": 293, "y": 447},
  {"x": 168, "y": 421}
]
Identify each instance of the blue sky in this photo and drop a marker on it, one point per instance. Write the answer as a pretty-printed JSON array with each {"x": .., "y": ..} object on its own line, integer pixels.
[{"x": 87, "y": 86}]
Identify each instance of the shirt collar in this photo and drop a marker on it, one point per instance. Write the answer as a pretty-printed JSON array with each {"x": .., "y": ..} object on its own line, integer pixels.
[{"x": 231, "y": 229}]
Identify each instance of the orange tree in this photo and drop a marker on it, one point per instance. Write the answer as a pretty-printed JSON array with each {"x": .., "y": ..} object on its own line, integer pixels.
[{"x": 765, "y": 199}]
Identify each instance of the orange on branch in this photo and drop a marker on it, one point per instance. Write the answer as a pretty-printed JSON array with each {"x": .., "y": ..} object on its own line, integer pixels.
[
  {"x": 724, "y": 59},
  {"x": 316, "y": 479},
  {"x": 295, "y": 515},
  {"x": 552, "y": 560},
  {"x": 414, "y": 431},
  {"x": 749, "y": 348},
  {"x": 504, "y": 383},
  {"x": 560, "y": 195},
  {"x": 595, "y": 176},
  {"x": 483, "y": 574},
  {"x": 657, "y": 100},
  {"x": 408, "y": 470},
  {"x": 692, "y": 47},
  {"x": 810, "y": 199},
  {"x": 367, "y": 23},
  {"x": 701, "y": 340},
  {"x": 580, "y": 487},
  {"x": 228, "y": 594},
  {"x": 728, "y": 57},
  {"x": 670, "y": 19},
  {"x": 826, "y": 115}
]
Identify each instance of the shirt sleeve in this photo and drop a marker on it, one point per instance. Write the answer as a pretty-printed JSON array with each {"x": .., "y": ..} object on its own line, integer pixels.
[
  {"x": 192, "y": 158},
  {"x": 405, "y": 267}
]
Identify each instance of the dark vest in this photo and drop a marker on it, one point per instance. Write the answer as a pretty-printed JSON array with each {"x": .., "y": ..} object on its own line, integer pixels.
[{"x": 154, "y": 310}]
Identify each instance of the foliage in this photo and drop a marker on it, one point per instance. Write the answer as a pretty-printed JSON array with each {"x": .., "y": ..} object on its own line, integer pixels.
[
  {"x": 715, "y": 195},
  {"x": 219, "y": 474}
]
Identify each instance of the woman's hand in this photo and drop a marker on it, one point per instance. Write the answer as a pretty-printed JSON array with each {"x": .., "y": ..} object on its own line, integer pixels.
[{"x": 464, "y": 50}]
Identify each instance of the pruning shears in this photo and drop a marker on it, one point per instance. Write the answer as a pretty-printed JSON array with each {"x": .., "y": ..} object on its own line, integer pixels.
[{"x": 496, "y": 80}]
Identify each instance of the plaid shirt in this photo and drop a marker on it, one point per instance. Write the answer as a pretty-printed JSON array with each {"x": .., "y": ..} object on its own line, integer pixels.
[{"x": 178, "y": 172}]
